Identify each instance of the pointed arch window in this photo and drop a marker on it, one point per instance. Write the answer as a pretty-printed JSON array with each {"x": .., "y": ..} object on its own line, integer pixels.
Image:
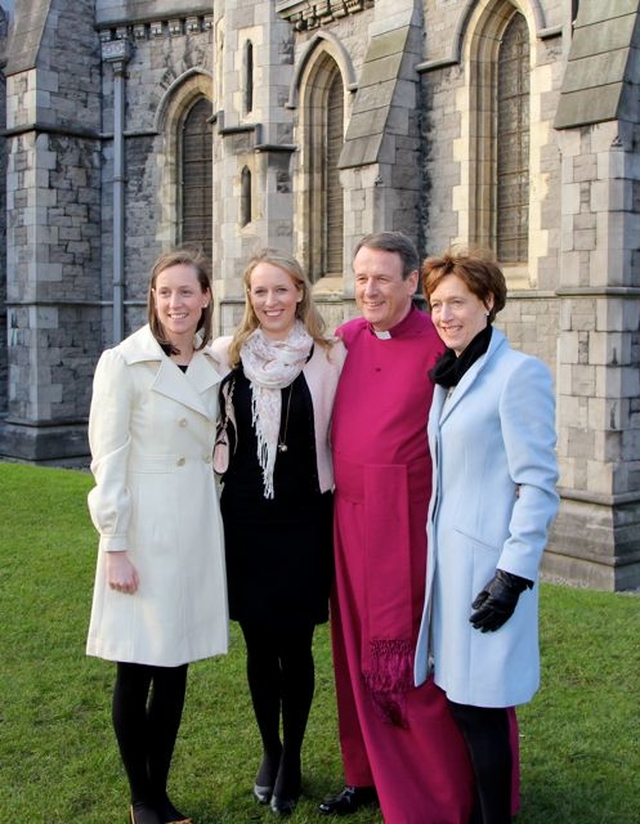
[
  {"x": 323, "y": 129},
  {"x": 497, "y": 193},
  {"x": 196, "y": 178},
  {"x": 334, "y": 199},
  {"x": 512, "y": 172}
]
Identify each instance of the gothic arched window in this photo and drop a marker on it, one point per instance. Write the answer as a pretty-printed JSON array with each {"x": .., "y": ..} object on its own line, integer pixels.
[
  {"x": 196, "y": 177},
  {"x": 334, "y": 229},
  {"x": 322, "y": 127},
  {"x": 512, "y": 156}
]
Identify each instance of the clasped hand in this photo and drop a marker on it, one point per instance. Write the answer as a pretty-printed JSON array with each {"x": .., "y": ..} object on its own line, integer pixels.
[{"x": 495, "y": 604}]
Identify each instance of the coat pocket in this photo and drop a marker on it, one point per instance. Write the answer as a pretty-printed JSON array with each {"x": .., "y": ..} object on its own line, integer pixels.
[{"x": 484, "y": 558}]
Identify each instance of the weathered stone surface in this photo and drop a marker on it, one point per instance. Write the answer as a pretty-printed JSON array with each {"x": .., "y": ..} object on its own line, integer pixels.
[{"x": 417, "y": 155}]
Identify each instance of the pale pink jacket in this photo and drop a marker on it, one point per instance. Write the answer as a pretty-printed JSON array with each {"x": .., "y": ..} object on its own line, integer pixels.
[{"x": 321, "y": 373}]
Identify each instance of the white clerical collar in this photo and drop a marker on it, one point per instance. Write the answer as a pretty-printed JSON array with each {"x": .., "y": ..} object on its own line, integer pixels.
[{"x": 382, "y": 335}]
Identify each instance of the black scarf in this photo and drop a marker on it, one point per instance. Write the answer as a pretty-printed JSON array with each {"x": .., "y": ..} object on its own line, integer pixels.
[{"x": 450, "y": 368}]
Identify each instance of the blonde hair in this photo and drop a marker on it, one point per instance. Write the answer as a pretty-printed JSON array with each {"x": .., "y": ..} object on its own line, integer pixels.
[
  {"x": 306, "y": 311},
  {"x": 200, "y": 265}
]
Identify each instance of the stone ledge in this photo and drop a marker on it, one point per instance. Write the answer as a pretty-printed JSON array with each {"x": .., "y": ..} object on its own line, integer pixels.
[{"x": 55, "y": 445}]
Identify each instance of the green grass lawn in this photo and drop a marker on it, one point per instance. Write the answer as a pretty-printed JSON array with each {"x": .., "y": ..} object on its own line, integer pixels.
[{"x": 580, "y": 737}]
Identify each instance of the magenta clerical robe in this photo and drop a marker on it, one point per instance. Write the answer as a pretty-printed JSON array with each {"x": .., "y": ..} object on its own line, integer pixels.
[{"x": 394, "y": 736}]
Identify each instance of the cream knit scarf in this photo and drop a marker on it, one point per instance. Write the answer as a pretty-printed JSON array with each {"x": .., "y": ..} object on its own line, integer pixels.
[{"x": 272, "y": 365}]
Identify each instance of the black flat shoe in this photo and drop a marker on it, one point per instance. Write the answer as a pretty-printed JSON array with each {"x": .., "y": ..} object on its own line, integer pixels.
[
  {"x": 349, "y": 800},
  {"x": 283, "y": 806},
  {"x": 141, "y": 813},
  {"x": 262, "y": 794}
]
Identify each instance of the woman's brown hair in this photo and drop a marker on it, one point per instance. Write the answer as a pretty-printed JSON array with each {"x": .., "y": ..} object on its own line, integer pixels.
[{"x": 200, "y": 265}]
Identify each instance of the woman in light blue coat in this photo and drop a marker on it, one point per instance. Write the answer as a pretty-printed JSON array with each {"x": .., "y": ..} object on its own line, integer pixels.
[{"x": 492, "y": 440}]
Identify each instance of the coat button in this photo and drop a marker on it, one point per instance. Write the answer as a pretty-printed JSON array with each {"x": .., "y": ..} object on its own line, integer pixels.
[
  {"x": 182, "y": 422},
  {"x": 181, "y": 461}
]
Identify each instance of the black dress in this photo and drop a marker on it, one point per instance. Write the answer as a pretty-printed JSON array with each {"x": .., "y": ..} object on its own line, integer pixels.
[{"x": 279, "y": 551}]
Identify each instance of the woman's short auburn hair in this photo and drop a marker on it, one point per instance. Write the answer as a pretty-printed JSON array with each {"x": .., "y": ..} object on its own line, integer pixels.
[{"x": 482, "y": 277}]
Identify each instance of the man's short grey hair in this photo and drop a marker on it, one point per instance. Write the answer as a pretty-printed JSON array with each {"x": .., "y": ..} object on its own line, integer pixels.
[{"x": 393, "y": 242}]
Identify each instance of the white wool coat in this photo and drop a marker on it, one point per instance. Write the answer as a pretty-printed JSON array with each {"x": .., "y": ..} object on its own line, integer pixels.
[{"x": 151, "y": 432}]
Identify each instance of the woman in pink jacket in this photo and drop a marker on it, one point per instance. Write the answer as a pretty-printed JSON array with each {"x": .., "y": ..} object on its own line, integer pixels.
[{"x": 277, "y": 504}]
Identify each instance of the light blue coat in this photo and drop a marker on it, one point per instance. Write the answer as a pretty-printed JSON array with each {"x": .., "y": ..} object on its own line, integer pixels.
[{"x": 492, "y": 443}]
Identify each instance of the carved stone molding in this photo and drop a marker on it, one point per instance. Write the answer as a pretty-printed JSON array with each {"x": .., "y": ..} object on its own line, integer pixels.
[
  {"x": 305, "y": 14},
  {"x": 155, "y": 29}
]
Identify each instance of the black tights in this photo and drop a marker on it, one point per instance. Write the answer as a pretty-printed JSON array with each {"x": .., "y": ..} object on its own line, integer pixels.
[
  {"x": 486, "y": 734},
  {"x": 147, "y": 709},
  {"x": 281, "y": 678}
]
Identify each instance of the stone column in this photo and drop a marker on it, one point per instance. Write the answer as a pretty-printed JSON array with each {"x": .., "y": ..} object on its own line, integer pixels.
[
  {"x": 596, "y": 538},
  {"x": 254, "y": 138},
  {"x": 53, "y": 232}
]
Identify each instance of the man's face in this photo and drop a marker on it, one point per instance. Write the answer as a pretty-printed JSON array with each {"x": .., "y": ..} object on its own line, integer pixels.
[{"x": 382, "y": 295}]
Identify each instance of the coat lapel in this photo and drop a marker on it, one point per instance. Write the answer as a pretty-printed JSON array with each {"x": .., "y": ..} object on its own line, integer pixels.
[
  {"x": 190, "y": 388},
  {"x": 200, "y": 377},
  {"x": 469, "y": 378}
]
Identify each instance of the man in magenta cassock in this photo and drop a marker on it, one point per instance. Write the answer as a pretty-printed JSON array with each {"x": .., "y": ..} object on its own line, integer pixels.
[{"x": 399, "y": 743}]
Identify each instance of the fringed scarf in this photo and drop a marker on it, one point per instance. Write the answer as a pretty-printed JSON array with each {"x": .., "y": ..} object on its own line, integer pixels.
[{"x": 271, "y": 365}]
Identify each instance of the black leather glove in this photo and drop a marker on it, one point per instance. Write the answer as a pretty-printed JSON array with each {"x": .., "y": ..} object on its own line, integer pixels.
[{"x": 494, "y": 605}]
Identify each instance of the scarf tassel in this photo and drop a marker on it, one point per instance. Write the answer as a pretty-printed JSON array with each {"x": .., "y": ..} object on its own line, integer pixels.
[{"x": 389, "y": 678}]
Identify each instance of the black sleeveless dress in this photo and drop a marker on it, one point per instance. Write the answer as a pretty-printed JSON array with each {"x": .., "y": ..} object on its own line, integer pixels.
[{"x": 279, "y": 551}]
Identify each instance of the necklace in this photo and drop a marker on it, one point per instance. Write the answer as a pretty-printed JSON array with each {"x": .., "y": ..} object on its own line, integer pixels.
[{"x": 282, "y": 442}]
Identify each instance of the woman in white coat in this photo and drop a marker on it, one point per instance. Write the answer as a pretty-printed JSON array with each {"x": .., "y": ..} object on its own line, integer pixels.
[
  {"x": 492, "y": 441},
  {"x": 159, "y": 599}
]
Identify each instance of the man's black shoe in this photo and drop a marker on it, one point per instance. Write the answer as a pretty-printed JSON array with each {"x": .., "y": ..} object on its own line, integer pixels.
[{"x": 349, "y": 800}]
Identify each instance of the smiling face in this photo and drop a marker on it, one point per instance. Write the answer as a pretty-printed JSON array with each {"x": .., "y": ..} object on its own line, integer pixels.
[
  {"x": 382, "y": 294},
  {"x": 274, "y": 297},
  {"x": 457, "y": 313},
  {"x": 179, "y": 300}
]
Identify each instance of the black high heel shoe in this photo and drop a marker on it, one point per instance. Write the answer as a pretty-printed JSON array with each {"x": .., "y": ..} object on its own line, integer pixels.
[
  {"x": 141, "y": 813},
  {"x": 266, "y": 776},
  {"x": 281, "y": 805},
  {"x": 287, "y": 788},
  {"x": 262, "y": 794}
]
